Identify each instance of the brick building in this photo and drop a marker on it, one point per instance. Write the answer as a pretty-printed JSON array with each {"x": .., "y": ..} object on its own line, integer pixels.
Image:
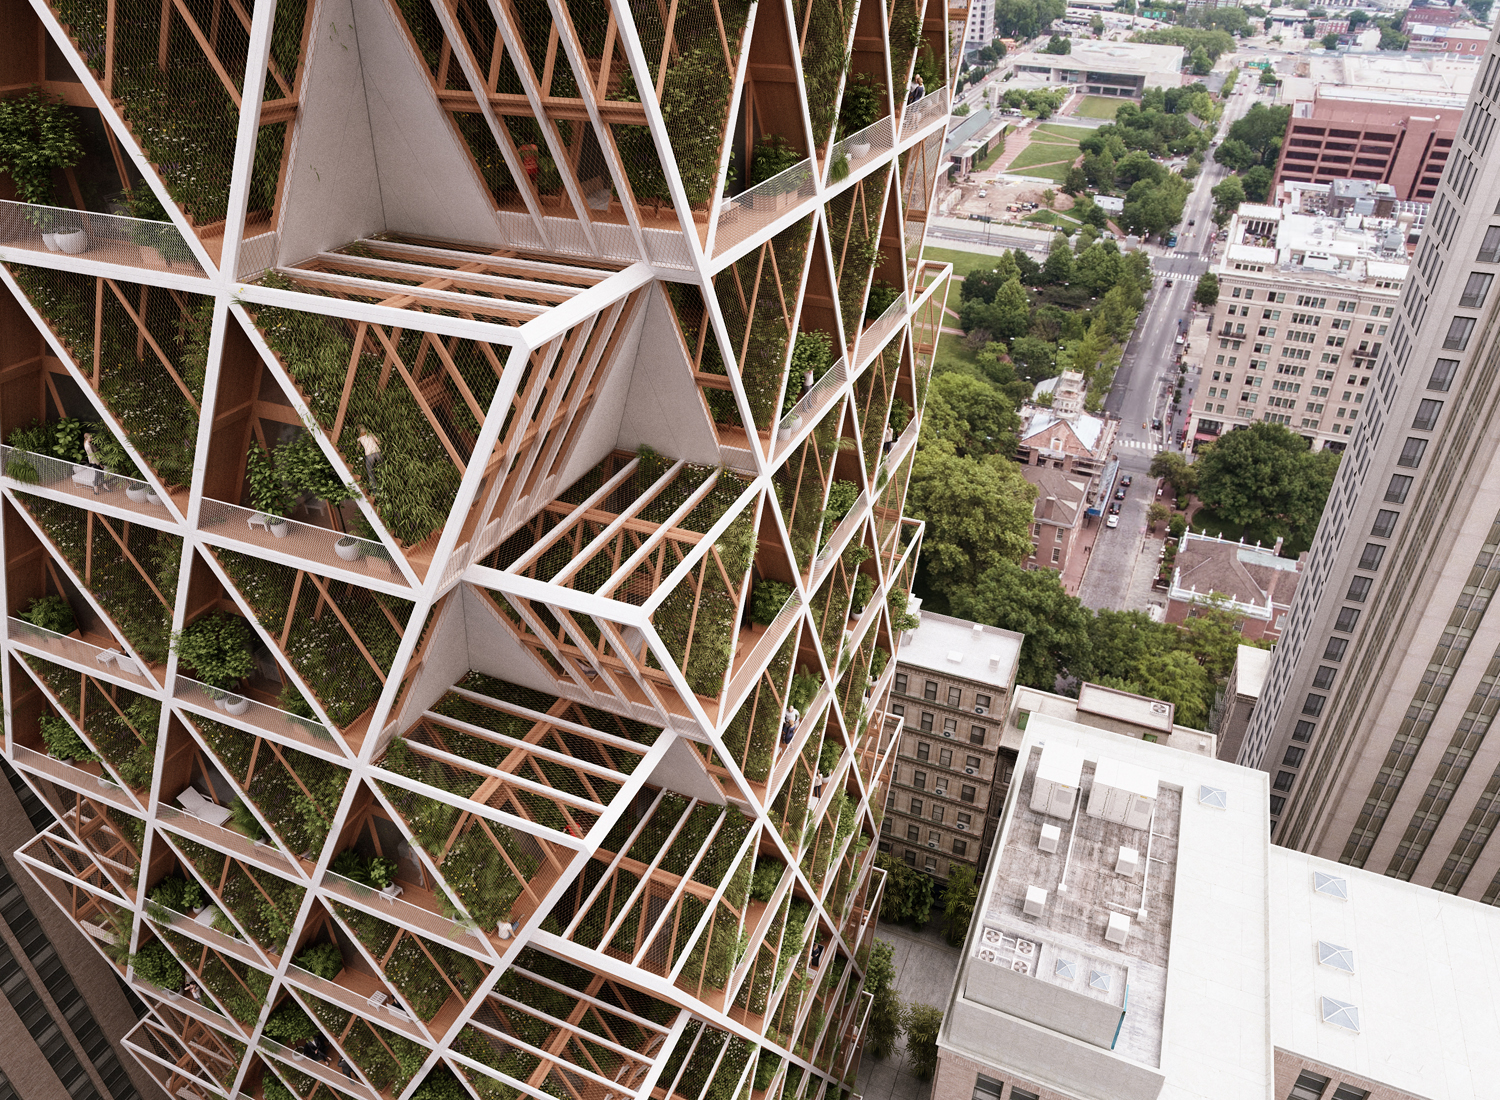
[
  {"x": 1437, "y": 38},
  {"x": 1253, "y": 582},
  {"x": 953, "y": 685},
  {"x": 1402, "y": 144}
]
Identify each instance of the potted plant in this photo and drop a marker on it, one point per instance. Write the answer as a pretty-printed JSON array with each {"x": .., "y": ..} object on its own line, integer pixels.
[
  {"x": 217, "y": 648},
  {"x": 268, "y": 494},
  {"x": 50, "y": 613},
  {"x": 864, "y": 585},
  {"x": 38, "y": 135},
  {"x": 792, "y": 419},
  {"x": 774, "y": 155},
  {"x": 863, "y": 98},
  {"x": 838, "y": 170}
]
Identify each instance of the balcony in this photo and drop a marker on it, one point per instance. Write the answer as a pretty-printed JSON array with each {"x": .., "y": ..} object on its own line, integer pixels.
[
  {"x": 752, "y": 210},
  {"x": 78, "y": 481},
  {"x": 103, "y": 238},
  {"x": 79, "y": 653},
  {"x": 257, "y": 717},
  {"x": 366, "y": 561}
]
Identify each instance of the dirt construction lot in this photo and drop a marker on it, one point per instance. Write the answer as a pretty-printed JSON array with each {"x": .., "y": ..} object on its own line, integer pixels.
[{"x": 963, "y": 199}]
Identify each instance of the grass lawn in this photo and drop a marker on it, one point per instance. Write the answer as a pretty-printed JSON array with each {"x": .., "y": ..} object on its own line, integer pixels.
[
  {"x": 1094, "y": 106},
  {"x": 1056, "y": 173},
  {"x": 1045, "y": 152},
  {"x": 1050, "y": 217},
  {"x": 996, "y": 148},
  {"x": 963, "y": 262},
  {"x": 1051, "y": 131},
  {"x": 1205, "y": 521},
  {"x": 952, "y": 355}
]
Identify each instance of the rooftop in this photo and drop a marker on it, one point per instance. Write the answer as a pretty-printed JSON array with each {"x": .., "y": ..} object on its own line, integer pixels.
[
  {"x": 1248, "y": 576},
  {"x": 1107, "y": 709},
  {"x": 1352, "y": 248},
  {"x": 1252, "y": 665},
  {"x": 1039, "y": 418},
  {"x": 1110, "y": 57},
  {"x": 1412, "y": 80},
  {"x": 957, "y": 647},
  {"x": 1060, "y": 495}
]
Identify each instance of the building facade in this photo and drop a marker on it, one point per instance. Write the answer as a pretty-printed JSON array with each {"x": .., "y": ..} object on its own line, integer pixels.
[
  {"x": 953, "y": 687},
  {"x": 1305, "y": 305},
  {"x": 1237, "y": 703},
  {"x": 1255, "y": 584},
  {"x": 432, "y": 601},
  {"x": 1138, "y": 936},
  {"x": 1124, "y": 69},
  {"x": 1403, "y": 144},
  {"x": 1374, "y": 720}
]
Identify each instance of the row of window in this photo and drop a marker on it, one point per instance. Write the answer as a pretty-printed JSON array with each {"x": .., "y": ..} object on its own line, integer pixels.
[
  {"x": 1312, "y": 1086},
  {"x": 987, "y": 1088},
  {"x": 930, "y": 693},
  {"x": 945, "y": 757},
  {"x": 950, "y": 725}
]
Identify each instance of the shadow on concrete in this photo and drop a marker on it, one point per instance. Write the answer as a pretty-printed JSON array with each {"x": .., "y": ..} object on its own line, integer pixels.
[{"x": 925, "y": 966}]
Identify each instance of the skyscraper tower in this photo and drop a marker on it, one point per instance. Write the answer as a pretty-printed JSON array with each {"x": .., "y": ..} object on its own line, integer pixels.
[
  {"x": 1376, "y": 719},
  {"x": 453, "y": 527}
]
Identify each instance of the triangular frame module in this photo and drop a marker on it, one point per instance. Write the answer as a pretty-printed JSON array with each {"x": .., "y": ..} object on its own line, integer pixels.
[{"x": 486, "y": 612}]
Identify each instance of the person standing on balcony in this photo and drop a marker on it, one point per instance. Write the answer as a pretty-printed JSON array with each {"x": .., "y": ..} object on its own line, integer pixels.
[
  {"x": 92, "y": 455},
  {"x": 371, "y": 444},
  {"x": 917, "y": 89}
]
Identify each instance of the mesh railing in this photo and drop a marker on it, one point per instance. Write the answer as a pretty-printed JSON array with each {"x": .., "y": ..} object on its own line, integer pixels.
[
  {"x": 225, "y": 839},
  {"x": 883, "y": 326},
  {"x": 108, "y": 238},
  {"x": 80, "y": 779},
  {"x": 321, "y": 545},
  {"x": 923, "y": 111},
  {"x": 815, "y": 400},
  {"x": 863, "y": 146},
  {"x": 256, "y": 714},
  {"x": 79, "y": 479},
  {"x": 109, "y": 661},
  {"x": 751, "y": 667},
  {"x": 752, "y": 210},
  {"x": 434, "y": 924}
]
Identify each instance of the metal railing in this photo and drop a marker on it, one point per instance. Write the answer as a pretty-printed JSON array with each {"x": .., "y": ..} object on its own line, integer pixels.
[
  {"x": 79, "y": 479},
  {"x": 297, "y": 1061},
  {"x": 749, "y": 671},
  {"x": 260, "y": 716},
  {"x": 110, "y": 238},
  {"x": 323, "y": 545},
  {"x": 873, "y": 337},
  {"x": 752, "y": 210},
  {"x": 80, "y": 652},
  {"x": 815, "y": 400},
  {"x": 266, "y": 855},
  {"x": 863, "y": 146},
  {"x": 91, "y": 784},
  {"x": 919, "y": 114},
  {"x": 465, "y": 936}
]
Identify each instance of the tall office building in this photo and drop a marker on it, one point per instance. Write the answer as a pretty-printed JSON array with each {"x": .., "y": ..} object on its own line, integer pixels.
[
  {"x": 1375, "y": 718},
  {"x": 430, "y": 540}
]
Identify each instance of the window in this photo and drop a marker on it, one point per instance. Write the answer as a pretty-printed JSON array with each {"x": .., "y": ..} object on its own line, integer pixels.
[
  {"x": 1475, "y": 290},
  {"x": 1323, "y": 678},
  {"x": 1372, "y": 556},
  {"x": 901, "y": 682},
  {"x": 1427, "y": 415},
  {"x": 919, "y": 781},
  {"x": 1313, "y": 704},
  {"x": 916, "y": 806},
  {"x": 898, "y": 710},
  {"x": 976, "y": 735},
  {"x": 1293, "y": 757},
  {"x": 929, "y": 691},
  {"x": 1459, "y": 331},
  {"x": 1276, "y": 803},
  {"x": 930, "y": 866},
  {"x": 1489, "y": 250},
  {"x": 945, "y": 757},
  {"x": 986, "y": 1088},
  {"x": 1056, "y": 553},
  {"x": 1309, "y": 1085},
  {"x": 937, "y": 814},
  {"x": 1334, "y": 650},
  {"x": 1411, "y": 452},
  {"x": 1303, "y": 732},
  {"x": 954, "y": 696},
  {"x": 927, "y": 721},
  {"x": 1385, "y": 524},
  {"x": 1359, "y": 588},
  {"x": 1442, "y": 375},
  {"x": 1021, "y": 1094},
  {"x": 924, "y": 750},
  {"x": 982, "y": 701},
  {"x": 960, "y": 847},
  {"x": 941, "y": 786},
  {"x": 967, "y": 794},
  {"x": 914, "y": 833},
  {"x": 971, "y": 762},
  {"x": 1284, "y": 781},
  {"x": 1347, "y": 620},
  {"x": 908, "y": 854},
  {"x": 963, "y": 821},
  {"x": 1349, "y": 1092},
  {"x": 950, "y": 727}
]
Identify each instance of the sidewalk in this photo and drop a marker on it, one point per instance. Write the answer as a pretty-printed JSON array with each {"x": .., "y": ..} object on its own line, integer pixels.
[{"x": 925, "y": 967}]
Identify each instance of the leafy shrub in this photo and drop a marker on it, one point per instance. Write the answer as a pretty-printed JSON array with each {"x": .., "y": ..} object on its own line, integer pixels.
[
  {"x": 864, "y": 586},
  {"x": 52, "y": 613},
  {"x": 155, "y": 964},
  {"x": 921, "y": 1023},
  {"x": 766, "y": 599},
  {"x": 804, "y": 686},
  {"x": 289, "y": 1025},
  {"x": 62, "y": 740},
  {"x": 38, "y": 134},
  {"x": 324, "y": 959},
  {"x": 217, "y": 648},
  {"x": 178, "y": 893},
  {"x": 773, "y": 155},
  {"x": 768, "y": 872}
]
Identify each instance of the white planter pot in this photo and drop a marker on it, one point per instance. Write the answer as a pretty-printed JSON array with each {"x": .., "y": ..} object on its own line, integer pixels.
[
  {"x": 219, "y": 701},
  {"x": 137, "y": 493},
  {"x": 347, "y": 549},
  {"x": 859, "y": 149},
  {"x": 151, "y": 497},
  {"x": 784, "y": 434},
  {"x": 279, "y": 529},
  {"x": 73, "y": 241},
  {"x": 236, "y": 704}
]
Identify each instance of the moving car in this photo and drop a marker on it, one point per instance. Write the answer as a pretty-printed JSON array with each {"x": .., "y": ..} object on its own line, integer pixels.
[
  {"x": 982, "y": 192},
  {"x": 1169, "y": 282},
  {"x": 1112, "y": 521},
  {"x": 1114, "y": 509},
  {"x": 1126, "y": 480}
]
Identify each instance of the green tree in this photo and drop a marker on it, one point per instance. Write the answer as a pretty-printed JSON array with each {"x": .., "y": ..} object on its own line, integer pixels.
[
  {"x": 1156, "y": 513},
  {"x": 1033, "y": 358},
  {"x": 1207, "y": 293},
  {"x": 978, "y": 513},
  {"x": 1480, "y": 9},
  {"x": 1174, "y": 677},
  {"x": 1267, "y": 76},
  {"x": 1057, "y": 44},
  {"x": 1331, "y": 39},
  {"x": 907, "y": 897},
  {"x": 1097, "y": 267},
  {"x": 885, "y": 1008},
  {"x": 1227, "y": 198},
  {"x": 1199, "y": 61},
  {"x": 1235, "y": 154},
  {"x": 1175, "y": 469},
  {"x": 1257, "y": 181},
  {"x": 1138, "y": 166},
  {"x": 1011, "y": 315},
  {"x": 1096, "y": 22},
  {"x": 1265, "y": 479},
  {"x": 1075, "y": 182},
  {"x": 1261, "y": 130},
  {"x": 922, "y": 1023},
  {"x": 1032, "y": 602},
  {"x": 1026, "y": 18},
  {"x": 972, "y": 415},
  {"x": 1309, "y": 29},
  {"x": 1358, "y": 18},
  {"x": 1059, "y": 266},
  {"x": 958, "y": 902}
]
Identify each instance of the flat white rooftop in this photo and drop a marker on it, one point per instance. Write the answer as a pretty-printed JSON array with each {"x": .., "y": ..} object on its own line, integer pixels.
[
  {"x": 1254, "y": 664},
  {"x": 957, "y": 647}
]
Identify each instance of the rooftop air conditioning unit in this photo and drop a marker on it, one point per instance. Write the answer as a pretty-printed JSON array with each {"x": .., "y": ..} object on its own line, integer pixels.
[
  {"x": 1020, "y": 966},
  {"x": 981, "y": 710},
  {"x": 1050, "y": 838},
  {"x": 971, "y": 771},
  {"x": 1036, "y": 901}
]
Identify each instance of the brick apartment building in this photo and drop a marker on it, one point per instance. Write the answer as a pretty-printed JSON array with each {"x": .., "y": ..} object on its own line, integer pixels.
[{"x": 953, "y": 686}]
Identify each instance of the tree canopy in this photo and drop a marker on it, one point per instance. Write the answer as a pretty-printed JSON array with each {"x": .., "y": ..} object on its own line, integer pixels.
[
  {"x": 1212, "y": 42},
  {"x": 1266, "y": 479},
  {"x": 1207, "y": 292},
  {"x": 1026, "y": 18},
  {"x": 1057, "y": 44}
]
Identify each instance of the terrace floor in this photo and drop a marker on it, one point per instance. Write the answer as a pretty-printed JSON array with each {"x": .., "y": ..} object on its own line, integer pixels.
[{"x": 925, "y": 966}]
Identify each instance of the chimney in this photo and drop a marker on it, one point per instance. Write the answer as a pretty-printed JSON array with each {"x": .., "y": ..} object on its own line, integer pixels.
[{"x": 1277, "y": 548}]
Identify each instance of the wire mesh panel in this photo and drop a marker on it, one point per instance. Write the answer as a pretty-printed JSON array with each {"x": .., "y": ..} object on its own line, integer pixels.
[{"x": 854, "y": 218}]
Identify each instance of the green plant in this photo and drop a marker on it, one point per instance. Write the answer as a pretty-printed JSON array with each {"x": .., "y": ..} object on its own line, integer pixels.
[
  {"x": 773, "y": 155},
  {"x": 38, "y": 135},
  {"x": 897, "y": 603},
  {"x": 900, "y": 415},
  {"x": 885, "y": 1012},
  {"x": 154, "y": 963},
  {"x": 921, "y": 1024},
  {"x": 829, "y": 756},
  {"x": 838, "y": 169},
  {"x": 351, "y": 865},
  {"x": 882, "y": 297},
  {"x": 178, "y": 893},
  {"x": 289, "y": 1025},
  {"x": 62, "y": 740},
  {"x": 766, "y": 599},
  {"x": 245, "y": 821},
  {"x": 52, "y": 613},
  {"x": 842, "y": 496},
  {"x": 811, "y": 354},
  {"x": 267, "y": 493},
  {"x": 804, "y": 686},
  {"x": 864, "y": 586},
  {"x": 324, "y": 959},
  {"x": 440, "y": 1084},
  {"x": 863, "y": 103},
  {"x": 768, "y": 872},
  {"x": 382, "y": 871},
  {"x": 217, "y": 648}
]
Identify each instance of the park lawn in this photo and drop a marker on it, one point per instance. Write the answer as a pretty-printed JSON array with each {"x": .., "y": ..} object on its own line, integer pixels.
[
  {"x": 963, "y": 262},
  {"x": 1056, "y": 173},
  {"x": 1051, "y": 131},
  {"x": 1052, "y": 217},
  {"x": 1093, "y": 106},
  {"x": 952, "y": 355},
  {"x": 1039, "y": 152},
  {"x": 996, "y": 148}
]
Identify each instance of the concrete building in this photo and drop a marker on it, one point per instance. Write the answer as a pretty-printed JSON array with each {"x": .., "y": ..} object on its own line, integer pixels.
[
  {"x": 1106, "y": 68},
  {"x": 1374, "y": 718},
  {"x": 414, "y": 540},
  {"x": 953, "y": 688},
  {"x": 979, "y": 30},
  {"x": 1237, "y": 704},
  {"x": 1138, "y": 937},
  {"x": 1254, "y": 583},
  {"x": 1305, "y": 305}
]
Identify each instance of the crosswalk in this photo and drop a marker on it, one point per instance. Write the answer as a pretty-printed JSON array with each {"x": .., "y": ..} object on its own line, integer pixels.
[{"x": 1138, "y": 445}]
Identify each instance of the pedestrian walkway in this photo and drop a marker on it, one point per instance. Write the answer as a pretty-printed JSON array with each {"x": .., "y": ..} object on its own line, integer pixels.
[
  {"x": 1139, "y": 445},
  {"x": 925, "y": 967}
]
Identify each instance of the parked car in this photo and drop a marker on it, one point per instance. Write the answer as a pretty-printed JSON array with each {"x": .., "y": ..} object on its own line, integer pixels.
[
  {"x": 1114, "y": 509},
  {"x": 1126, "y": 480},
  {"x": 1120, "y": 495},
  {"x": 1169, "y": 282},
  {"x": 1112, "y": 521},
  {"x": 982, "y": 192},
  {"x": 1156, "y": 423}
]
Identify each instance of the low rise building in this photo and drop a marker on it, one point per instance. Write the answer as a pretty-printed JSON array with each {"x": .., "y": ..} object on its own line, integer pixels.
[
  {"x": 952, "y": 689},
  {"x": 1254, "y": 583},
  {"x": 1305, "y": 304},
  {"x": 1137, "y": 936},
  {"x": 1439, "y": 38},
  {"x": 1106, "y": 68},
  {"x": 1241, "y": 693}
]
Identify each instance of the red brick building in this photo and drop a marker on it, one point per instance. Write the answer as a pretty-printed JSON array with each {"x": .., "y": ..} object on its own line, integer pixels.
[
  {"x": 1254, "y": 583},
  {"x": 1405, "y": 146}
]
